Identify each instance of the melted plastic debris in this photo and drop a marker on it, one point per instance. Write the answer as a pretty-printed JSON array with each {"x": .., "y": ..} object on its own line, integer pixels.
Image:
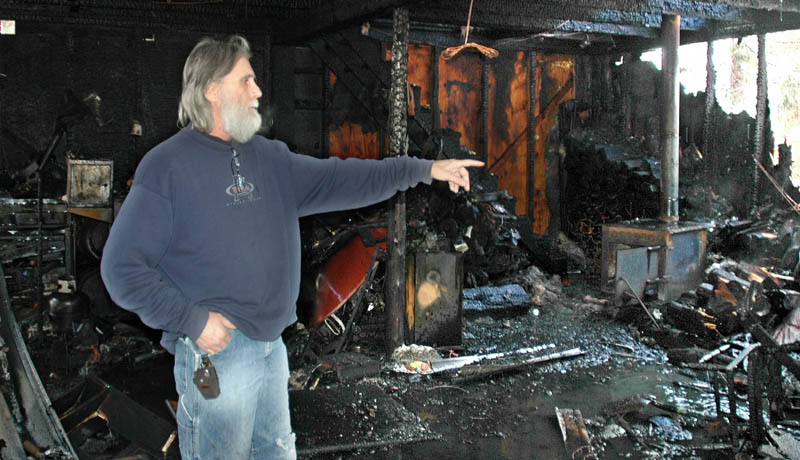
[{"x": 668, "y": 429}]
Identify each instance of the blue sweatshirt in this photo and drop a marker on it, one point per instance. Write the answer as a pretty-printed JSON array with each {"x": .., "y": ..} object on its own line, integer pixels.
[{"x": 193, "y": 236}]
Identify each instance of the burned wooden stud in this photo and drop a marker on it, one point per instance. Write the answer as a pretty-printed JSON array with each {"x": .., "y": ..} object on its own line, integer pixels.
[
  {"x": 325, "y": 150},
  {"x": 398, "y": 145},
  {"x": 435, "y": 109},
  {"x": 532, "y": 134},
  {"x": 708, "y": 115},
  {"x": 484, "y": 109},
  {"x": 755, "y": 382},
  {"x": 670, "y": 144},
  {"x": 761, "y": 117}
]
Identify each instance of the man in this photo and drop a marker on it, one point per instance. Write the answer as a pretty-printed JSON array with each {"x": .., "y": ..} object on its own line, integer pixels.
[{"x": 206, "y": 248}]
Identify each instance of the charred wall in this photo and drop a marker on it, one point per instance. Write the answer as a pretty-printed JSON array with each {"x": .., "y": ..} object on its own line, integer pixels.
[
  {"x": 310, "y": 104},
  {"x": 612, "y": 137},
  {"x": 490, "y": 104},
  {"x": 135, "y": 74}
]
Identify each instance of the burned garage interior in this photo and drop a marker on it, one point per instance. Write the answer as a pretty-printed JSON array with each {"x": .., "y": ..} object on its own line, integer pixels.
[{"x": 621, "y": 280}]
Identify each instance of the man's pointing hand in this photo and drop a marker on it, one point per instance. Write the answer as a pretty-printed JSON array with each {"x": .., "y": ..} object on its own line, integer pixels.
[{"x": 454, "y": 172}]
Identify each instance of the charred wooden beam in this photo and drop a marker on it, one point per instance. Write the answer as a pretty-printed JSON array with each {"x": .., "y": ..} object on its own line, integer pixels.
[
  {"x": 398, "y": 145},
  {"x": 776, "y": 23},
  {"x": 531, "y": 134},
  {"x": 566, "y": 44},
  {"x": 435, "y": 109},
  {"x": 589, "y": 16},
  {"x": 516, "y": 23},
  {"x": 539, "y": 21},
  {"x": 708, "y": 115},
  {"x": 646, "y": 12},
  {"x": 133, "y": 15},
  {"x": 761, "y": 117},
  {"x": 484, "y": 109},
  {"x": 792, "y": 6},
  {"x": 324, "y": 95},
  {"x": 334, "y": 15},
  {"x": 377, "y": 30}
]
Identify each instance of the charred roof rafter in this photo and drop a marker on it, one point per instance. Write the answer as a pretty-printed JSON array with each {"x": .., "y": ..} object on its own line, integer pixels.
[
  {"x": 528, "y": 15},
  {"x": 628, "y": 24},
  {"x": 334, "y": 16},
  {"x": 132, "y": 14}
]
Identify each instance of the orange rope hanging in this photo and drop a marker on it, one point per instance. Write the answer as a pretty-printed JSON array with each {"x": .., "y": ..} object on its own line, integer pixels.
[{"x": 485, "y": 50}]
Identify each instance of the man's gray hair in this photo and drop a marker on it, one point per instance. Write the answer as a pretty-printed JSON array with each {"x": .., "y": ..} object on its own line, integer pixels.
[{"x": 209, "y": 61}]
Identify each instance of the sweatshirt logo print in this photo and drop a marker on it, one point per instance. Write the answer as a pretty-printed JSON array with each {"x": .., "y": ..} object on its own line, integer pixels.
[{"x": 240, "y": 190}]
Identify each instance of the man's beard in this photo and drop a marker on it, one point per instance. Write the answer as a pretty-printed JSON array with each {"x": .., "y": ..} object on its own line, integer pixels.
[{"x": 240, "y": 122}]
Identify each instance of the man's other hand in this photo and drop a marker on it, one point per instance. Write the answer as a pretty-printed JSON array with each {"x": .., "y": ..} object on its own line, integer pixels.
[
  {"x": 454, "y": 172},
  {"x": 215, "y": 335}
]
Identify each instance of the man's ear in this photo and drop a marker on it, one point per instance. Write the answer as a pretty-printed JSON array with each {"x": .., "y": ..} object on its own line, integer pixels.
[{"x": 212, "y": 92}]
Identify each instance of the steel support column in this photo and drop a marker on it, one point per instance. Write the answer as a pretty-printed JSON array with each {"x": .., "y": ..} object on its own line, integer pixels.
[
  {"x": 398, "y": 145},
  {"x": 670, "y": 103}
]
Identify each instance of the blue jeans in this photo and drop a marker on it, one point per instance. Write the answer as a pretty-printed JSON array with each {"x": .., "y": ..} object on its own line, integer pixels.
[{"x": 250, "y": 417}]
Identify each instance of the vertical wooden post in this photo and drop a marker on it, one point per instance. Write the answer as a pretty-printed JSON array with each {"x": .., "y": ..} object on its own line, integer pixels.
[
  {"x": 532, "y": 136},
  {"x": 325, "y": 142},
  {"x": 398, "y": 145},
  {"x": 708, "y": 115},
  {"x": 484, "y": 110},
  {"x": 761, "y": 119},
  {"x": 435, "y": 109}
]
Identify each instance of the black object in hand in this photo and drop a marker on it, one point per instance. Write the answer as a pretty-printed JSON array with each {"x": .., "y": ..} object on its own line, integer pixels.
[{"x": 205, "y": 378}]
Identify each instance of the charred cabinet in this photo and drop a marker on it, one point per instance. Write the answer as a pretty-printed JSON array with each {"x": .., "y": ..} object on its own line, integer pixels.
[
  {"x": 31, "y": 236},
  {"x": 433, "y": 298}
]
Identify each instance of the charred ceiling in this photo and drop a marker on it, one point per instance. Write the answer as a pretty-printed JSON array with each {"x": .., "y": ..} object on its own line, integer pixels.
[{"x": 581, "y": 26}]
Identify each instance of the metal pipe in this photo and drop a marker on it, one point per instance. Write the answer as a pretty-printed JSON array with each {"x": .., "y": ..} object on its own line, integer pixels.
[{"x": 670, "y": 112}]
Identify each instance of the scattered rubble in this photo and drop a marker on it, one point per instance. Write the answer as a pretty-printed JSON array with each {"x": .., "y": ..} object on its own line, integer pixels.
[{"x": 714, "y": 368}]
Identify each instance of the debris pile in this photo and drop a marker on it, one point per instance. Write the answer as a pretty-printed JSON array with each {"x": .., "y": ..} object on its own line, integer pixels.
[
  {"x": 482, "y": 224},
  {"x": 736, "y": 333},
  {"x": 608, "y": 179},
  {"x": 542, "y": 289}
]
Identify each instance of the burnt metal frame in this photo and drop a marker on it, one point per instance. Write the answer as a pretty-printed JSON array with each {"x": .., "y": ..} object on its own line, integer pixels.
[
  {"x": 40, "y": 420},
  {"x": 651, "y": 233},
  {"x": 765, "y": 351}
]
